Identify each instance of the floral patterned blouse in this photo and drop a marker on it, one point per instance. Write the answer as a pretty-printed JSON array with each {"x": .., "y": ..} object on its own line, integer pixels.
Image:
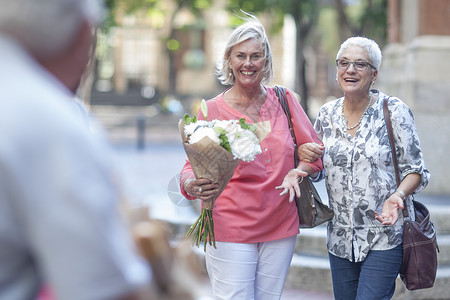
[{"x": 359, "y": 174}]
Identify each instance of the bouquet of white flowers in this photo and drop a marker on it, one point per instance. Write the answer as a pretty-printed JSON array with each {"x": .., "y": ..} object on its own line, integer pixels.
[
  {"x": 237, "y": 137},
  {"x": 215, "y": 148}
]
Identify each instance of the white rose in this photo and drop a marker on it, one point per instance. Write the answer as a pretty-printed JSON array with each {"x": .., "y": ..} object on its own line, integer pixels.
[
  {"x": 201, "y": 133},
  {"x": 189, "y": 129},
  {"x": 245, "y": 145},
  {"x": 230, "y": 126}
]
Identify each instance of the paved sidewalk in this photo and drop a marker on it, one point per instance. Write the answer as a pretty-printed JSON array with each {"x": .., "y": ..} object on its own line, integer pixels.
[
  {"x": 147, "y": 176},
  {"x": 295, "y": 294}
]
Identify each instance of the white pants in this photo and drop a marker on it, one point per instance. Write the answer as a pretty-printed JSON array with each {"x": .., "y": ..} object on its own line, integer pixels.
[{"x": 249, "y": 271}]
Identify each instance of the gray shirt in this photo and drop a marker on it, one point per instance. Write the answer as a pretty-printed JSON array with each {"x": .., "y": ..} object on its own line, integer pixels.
[{"x": 59, "y": 219}]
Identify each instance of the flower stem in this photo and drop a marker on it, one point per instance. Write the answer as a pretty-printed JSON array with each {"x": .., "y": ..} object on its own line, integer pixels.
[{"x": 202, "y": 231}]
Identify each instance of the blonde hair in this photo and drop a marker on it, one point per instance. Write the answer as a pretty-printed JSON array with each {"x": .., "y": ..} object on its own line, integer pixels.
[{"x": 251, "y": 29}]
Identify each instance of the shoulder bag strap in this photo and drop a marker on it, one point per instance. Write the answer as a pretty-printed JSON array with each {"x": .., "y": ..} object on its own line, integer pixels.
[
  {"x": 387, "y": 119},
  {"x": 306, "y": 183},
  {"x": 282, "y": 98}
]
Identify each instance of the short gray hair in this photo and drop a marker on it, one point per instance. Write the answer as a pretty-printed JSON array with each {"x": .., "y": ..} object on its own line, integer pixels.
[
  {"x": 46, "y": 27},
  {"x": 251, "y": 29},
  {"x": 372, "y": 48}
]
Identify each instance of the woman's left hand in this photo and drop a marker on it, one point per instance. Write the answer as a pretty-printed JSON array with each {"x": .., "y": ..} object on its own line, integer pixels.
[
  {"x": 389, "y": 215},
  {"x": 290, "y": 183},
  {"x": 310, "y": 152}
]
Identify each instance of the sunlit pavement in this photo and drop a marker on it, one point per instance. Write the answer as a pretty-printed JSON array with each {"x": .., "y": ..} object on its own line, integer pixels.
[{"x": 147, "y": 174}]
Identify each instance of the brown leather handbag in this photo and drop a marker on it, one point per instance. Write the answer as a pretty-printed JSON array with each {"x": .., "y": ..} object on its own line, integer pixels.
[
  {"x": 419, "y": 264},
  {"x": 311, "y": 211}
]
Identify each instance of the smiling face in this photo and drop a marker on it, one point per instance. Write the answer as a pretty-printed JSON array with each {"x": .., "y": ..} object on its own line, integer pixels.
[
  {"x": 247, "y": 62},
  {"x": 352, "y": 81}
]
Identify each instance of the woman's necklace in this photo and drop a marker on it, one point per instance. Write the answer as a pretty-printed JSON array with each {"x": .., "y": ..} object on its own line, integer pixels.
[{"x": 360, "y": 120}]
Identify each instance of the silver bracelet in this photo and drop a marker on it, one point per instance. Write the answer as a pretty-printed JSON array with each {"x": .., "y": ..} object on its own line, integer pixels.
[
  {"x": 301, "y": 178},
  {"x": 402, "y": 194}
]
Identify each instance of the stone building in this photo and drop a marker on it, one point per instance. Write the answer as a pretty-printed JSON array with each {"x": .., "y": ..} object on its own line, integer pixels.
[{"x": 416, "y": 68}]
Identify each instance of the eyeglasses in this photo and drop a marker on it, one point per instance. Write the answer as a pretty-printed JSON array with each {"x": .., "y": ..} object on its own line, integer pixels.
[{"x": 359, "y": 65}]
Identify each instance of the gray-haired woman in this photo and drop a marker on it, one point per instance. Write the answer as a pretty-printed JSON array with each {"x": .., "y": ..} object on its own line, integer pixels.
[{"x": 365, "y": 236}]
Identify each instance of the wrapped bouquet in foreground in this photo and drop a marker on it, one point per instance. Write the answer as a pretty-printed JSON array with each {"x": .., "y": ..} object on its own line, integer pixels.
[{"x": 215, "y": 148}]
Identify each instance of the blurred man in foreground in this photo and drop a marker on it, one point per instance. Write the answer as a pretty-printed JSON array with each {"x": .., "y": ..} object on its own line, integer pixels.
[{"x": 58, "y": 200}]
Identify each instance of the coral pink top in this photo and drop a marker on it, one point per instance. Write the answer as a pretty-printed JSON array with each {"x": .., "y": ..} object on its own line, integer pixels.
[{"x": 250, "y": 209}]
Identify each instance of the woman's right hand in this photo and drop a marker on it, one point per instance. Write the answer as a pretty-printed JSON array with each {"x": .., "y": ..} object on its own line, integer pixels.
[
  {"x": 310, "y": 152},
  {"x": 291, "y": 183},
  {"x": 201, "y": 188},
  {"x": 389, "y": 215}
]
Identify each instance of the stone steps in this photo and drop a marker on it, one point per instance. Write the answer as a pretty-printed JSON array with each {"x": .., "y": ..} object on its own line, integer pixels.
[
  {"x": 313, "y": 242},
  {"x": 310, "y": 268},
  {"x": 310, "y": 272},
  {"x": 440, "y": 216}
]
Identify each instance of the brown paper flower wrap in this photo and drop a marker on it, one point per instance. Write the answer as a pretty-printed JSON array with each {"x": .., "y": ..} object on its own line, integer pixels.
[{"x": 211, "y": 161}]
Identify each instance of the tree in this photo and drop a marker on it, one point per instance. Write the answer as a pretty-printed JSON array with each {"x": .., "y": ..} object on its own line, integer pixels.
[
  {"x": 305, "y": 15},
  {"x": 365, "y": 18},
  {"x": 196, "y": 7}
]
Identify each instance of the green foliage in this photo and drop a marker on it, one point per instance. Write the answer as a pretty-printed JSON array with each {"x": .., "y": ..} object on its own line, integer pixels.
[
  {"x": 220, "y": 130},
  {"x": 329, "y": 32},
  {"x": 109, "y": 19},
  {"x": 202, "y": 4},
  {"x": 153, "y": 8},
  {"x": 224, "y": 142},
  {"x": 368, "y": 18},
  {"x": 188, "y": 120},
  {"x": 245, "y": 125},
  {"x": 222, "y": 133},
  {"x": 277, "y": 10},
  {"x": 131, "y": 6},
  {"x": 364, "y": 17},
  {"x": 374, "y": 18},
  {"x": 173, "y": 45}
]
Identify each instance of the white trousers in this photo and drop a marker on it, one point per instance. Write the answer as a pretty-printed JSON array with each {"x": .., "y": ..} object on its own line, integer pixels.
[{"x": 249, "y": 271}]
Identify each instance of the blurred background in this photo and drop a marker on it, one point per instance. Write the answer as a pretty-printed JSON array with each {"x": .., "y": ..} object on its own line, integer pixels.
[{"x": 155, "y": 60}]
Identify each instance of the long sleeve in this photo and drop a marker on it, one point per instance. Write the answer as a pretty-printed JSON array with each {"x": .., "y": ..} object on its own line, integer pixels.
[
  {"x": 410, "y": 156},
  {"x": 304, "y": 131}
]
